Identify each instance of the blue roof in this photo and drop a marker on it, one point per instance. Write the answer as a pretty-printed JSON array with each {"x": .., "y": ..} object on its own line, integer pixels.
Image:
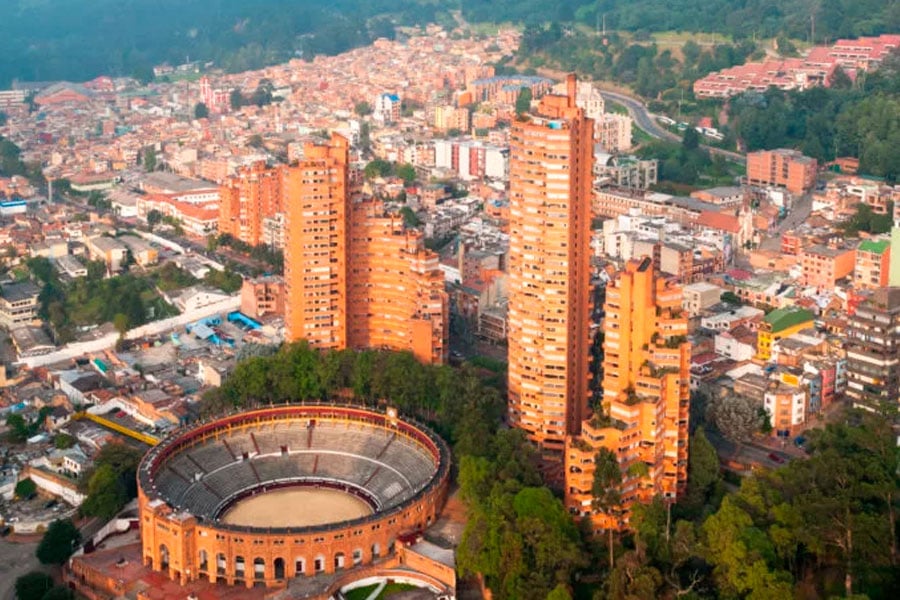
[{"x": 391, "y": 97}]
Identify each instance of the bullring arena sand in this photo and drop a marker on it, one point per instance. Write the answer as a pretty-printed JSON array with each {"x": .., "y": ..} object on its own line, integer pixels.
[{"x": 296, "y": 507}]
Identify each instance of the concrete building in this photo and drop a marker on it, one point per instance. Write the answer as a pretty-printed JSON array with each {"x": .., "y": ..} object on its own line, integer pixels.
[
  {"x": 614, "y": 132},
  {"x": 873, "y": 351},
  {"x": 873, "y": 260},
  {"x": 18, "y": 303},
  {"x": 778, "y": 324},
  {"x": 787, "y": 407},
  {"x": 646, "y": 392},
  {"x": 823, "y": 266},
  {"x": 262, "y": 296},
  {"x": 110, "y": 250},
  {"x": 354, "y": 277},
  {"x": 784, "y": 168},
  {"x": 549, "y": 306}
]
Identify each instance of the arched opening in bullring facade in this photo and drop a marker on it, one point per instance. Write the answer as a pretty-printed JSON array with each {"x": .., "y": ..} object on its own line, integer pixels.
[
  {"x": 357, "y": 556},
  {"x": 239, "y": 567},
  {"x": 259, "y": 568},
  {"x": 376, "y": 551},
  {"x": 278, "y": 568},
  {"x": 203, "y": 561},
  {"x": 163, "y": 557},
  {"x": 339, "y": 561},
  {"x": 319, "y": 564},
  {"x": 221, "y": 563},
  {"x": 299, "y": 566}
]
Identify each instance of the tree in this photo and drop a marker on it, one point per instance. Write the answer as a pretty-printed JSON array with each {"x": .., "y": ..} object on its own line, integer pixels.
[
  {"x": 236, "y": 99},
  {"x": 59, "y": 592},
  {"x": 691, "y": 139},
  {"x": 120, "y": 322},
  {"x": 18, "y": 428},
  {"x": 406, "y": 172},
  {"x": 106, "y": 493},
  {"x": 150, "y": 161},
  {"x": 25, "y": 489},
  {"x": 63, "y": 441},
  {"x": 362, "y": 109},
  {"x": 58, "y": 542},
  {"x": 560, "y": 592},
  {"x": 154, "y": 218},
  {"x": 410, "y": 219},
  {"x": 730, "y": 297},
  {"x": 201, "y": 111},
  {"x": 605, "y": 491},
  {"x": 523, "y": 101},
  {"x": 736, "y": 417},
  {"x": 33, "y": 586},
  {"x": 704, "y": 477}
]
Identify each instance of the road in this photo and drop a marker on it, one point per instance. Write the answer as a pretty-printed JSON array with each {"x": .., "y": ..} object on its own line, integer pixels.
[
  {"x": 645, "y": 120},
  {"x": 16, "y": 559},
  {"x": 797, "y": 215}
]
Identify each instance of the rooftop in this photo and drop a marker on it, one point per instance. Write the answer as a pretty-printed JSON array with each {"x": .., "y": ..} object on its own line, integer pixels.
[
  {"x": 789, "y": 316},
  {"x": 16, "y": 292},
  {"x": 874, "y": 246}
]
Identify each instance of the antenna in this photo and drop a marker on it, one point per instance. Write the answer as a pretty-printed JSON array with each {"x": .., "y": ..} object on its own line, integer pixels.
[{"x": 604, "y": 24}]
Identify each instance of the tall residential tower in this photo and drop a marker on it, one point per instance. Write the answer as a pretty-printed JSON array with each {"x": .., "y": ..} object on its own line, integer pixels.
[
  {"x": 551, "y": 156},
  {"x": 355, "y": 277},
  {"x": 646, "y": 393}
]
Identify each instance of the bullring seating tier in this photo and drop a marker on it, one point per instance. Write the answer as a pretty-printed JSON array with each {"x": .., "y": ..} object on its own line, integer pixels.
[{"x": 205, "y": 479}]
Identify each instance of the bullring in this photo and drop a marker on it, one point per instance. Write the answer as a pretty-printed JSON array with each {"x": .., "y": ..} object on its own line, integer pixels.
[{"x": 363, "y": 478}]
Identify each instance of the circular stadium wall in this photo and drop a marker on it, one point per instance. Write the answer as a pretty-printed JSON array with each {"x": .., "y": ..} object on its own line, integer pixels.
[{"x": 266, "y": 495}]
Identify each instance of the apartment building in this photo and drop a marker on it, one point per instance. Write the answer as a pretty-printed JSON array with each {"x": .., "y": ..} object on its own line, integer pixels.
[
  {"x": 873, "y": 260},
  {"x": 549, "y": 308},
  {"x": 316, "y": 239},
  {"x": 19, "y": 303},
  {"x": 873, "y": 351},
  {"x": 249, "y": 197},
  {"x": 396, "y": 296},
  {"x": 262, "y": 296},
  {"x": 779, "y": 324},
  {"x": 823, "y": 266},
  {"x": 783, "y": 168},
  {"x": 646, "y": 393},
  {"x": 354, "y": 276}
]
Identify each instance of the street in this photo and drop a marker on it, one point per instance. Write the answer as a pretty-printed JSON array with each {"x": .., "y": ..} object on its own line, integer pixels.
[
  {"x": 643, "y": 119},
  {"x": 16, "y": 559}
]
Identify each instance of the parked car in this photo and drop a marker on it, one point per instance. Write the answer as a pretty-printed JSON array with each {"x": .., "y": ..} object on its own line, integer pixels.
[{"x": 775, "y": 458}]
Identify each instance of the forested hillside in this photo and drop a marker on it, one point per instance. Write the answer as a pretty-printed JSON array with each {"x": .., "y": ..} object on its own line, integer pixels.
[
  {"x": 80, "y": 39},
  {"x": 740, "y": 18}
]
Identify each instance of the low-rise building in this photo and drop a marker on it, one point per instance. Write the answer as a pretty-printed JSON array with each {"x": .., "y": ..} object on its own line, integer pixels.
[
  {"x": 700, "y": 296},
  {"x": 778, "y": 324},
  {"x": 823, "y": 266},
  {"x": 18, "y": 303},
  {"x": 262, "y": 296},
  {"x": 783, "y": 168},
  {"x": 873, "y": 260},
  {"x": 110, "y": 250}
]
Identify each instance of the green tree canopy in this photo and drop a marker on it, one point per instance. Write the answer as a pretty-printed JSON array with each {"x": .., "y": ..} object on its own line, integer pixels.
[
  {"x": 58, "y": 543},
  {"x": 33, "y": 586},
  {"x": 201, "y": 111},
  {"x": 25, "y": 489}
]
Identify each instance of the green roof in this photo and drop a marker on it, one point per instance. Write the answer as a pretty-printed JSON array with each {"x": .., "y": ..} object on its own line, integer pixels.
[
  {"x": 878, "y": 247},
  {"x": 783, "y": 318}
]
